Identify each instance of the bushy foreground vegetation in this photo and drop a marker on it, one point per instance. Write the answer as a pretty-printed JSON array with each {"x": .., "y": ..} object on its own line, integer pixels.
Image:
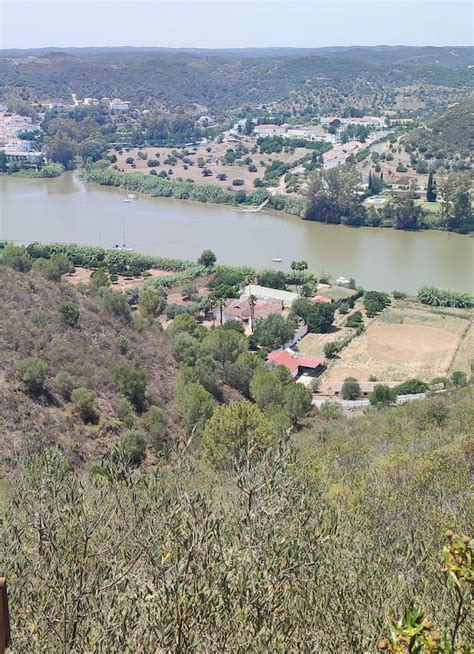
[
  {"x": 315, "y": 545},
  {"x": 445, "y": 297}
]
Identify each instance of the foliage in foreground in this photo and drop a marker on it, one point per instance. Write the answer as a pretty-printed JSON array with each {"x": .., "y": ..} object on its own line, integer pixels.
[{"x": 315, "y": 549}]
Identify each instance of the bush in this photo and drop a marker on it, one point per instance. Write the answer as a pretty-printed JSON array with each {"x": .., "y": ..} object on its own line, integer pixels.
[
  {"x": 238, "y": 182},
  {"x": 411, "y": 387},
  {"x": 382, "y": 395},
  {"x": 70, "y": 313},
  {"x": 331, "y": 410},
  {"x": 132, "y": 447},
  {"x": 354, "y": 320},
  {"x": 124, "y": 411},
  {"x": 331, "y": 349},
  {"x": 443, "y": 297},
  {"x": 32, "y": 372},
  {"x": 132, "y": 383},
  {"x": 16, "y": 257},
  {"x": 116, "y": 303},
  {"x": 65, "y": 383},
  {"x": 459, "y": 379},
  {"x": 350, "y": 389},
  {"x": 155, "y": 423},
  {"x": 399, "y": 295},
  {"x": 375, "y": 302},
  {"x": 83, "y": 401},
  {"x": 318, "y": 317}
]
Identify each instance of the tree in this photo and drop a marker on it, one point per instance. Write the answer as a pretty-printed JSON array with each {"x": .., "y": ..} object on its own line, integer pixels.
[
  {"x": 297, "y": 401},
  {"x": 333, "y": 197},
  {"x": 207, "y": 259},
  {"x": 70, "y": 313},
  {"x": 239, "y": 374},
  {"x": 116, "y": 303},
  {"x": 331, "y": 348},
  {"x": 132, "y": 383},
  {"x": 92, "y": 149},
  {"x": 350, "y": 389},
  {"x": 83, "y": 401},
  {"x": 32, "y": 372},
  {"x": 237, "y": 431},
  {"x": 405, "y": 213},
  {"x": 318, "y": 316},
  {"x": 272, "y": 279},
  {"x": 456, "y": 211},
  {"x": 151, "y": 302},
  {"x": 382, "y": 395},
  {"x": 266, "y": 388},
  {"x": 224, "y": 345},
  {"x": 184, "y": 323},
  {"x": 3, "y": 162},
  {"x": 195, "y": 405},
  {"x": 273, "y": 331},
  {"x": 431, "y": 189},
  {"x": 61, "y": 149}
]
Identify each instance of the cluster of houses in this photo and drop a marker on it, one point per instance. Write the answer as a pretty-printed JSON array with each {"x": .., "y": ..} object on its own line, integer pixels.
[
  {"x": 15, "y": 148},
  {"x": 270, "y": 301}
]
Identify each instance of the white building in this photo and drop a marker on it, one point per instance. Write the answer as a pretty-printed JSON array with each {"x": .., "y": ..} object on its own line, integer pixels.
[
  {"x": 91, "y": 101},
  {"x": 265, "y": 293},
  {"x": 270, "y": 130},
  {"x": 119, "y": 105}
]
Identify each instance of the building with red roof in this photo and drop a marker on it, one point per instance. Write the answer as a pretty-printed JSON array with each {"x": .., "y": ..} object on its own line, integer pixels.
[
  {"x": 295, "y": 362},
  {"x": 321, "y": 298}
]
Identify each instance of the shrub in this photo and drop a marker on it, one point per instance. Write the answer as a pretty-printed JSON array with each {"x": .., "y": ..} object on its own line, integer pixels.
[
  {"x": 124, "y": 411},
  {"x": 442, "y": 297},
  {"x": 344, "y": 308},
  {"x": 331, "y": 349},
  {"x": 70, "y": 313},
  {"x": 132, "y": 447},
  {"x": 238, "y": 182},
  {"x": 155, "y": 423},
  {"x": 354, "y": 320},
  {"x": 382, "y": 395},
  {"x": 399, "y": 295},
  {"x": 459, "y": 379},
  {"x": 16, "y": 257},
  {"x": 132, "y": 383},
  {"x": 65, "y": 383},
  {"x": 350, "y": 389},
  {"x": 318, "y": 317},
  {"x": 32, "y": 372},
  {"x": 331, "y": 410},
  {"x": 375, "y": 302},
  {"x": 411, "y": 387},
  {"x": 116, "y": 303},
  {"x": 83, "y": 401}
]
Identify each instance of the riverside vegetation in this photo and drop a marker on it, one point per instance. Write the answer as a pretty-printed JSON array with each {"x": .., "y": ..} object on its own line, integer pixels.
[{"x": 169, "y": 492}]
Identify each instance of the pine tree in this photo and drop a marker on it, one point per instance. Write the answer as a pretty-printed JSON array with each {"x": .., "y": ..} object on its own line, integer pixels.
[
  {"x": 370, "y": 183},
  {"x": 431, "y": 189}
]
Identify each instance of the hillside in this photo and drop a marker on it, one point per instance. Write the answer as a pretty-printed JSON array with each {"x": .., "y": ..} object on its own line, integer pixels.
[
  {"x": 223, "y": 80},
  {"x": 451, "y": 131},
  {"x": 31, "y": 325},
  {"x": 325, "y": 543}
]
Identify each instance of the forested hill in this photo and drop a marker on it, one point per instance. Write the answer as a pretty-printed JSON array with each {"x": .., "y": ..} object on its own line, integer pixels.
[
  {"x": 450, "y": 131},
  {"x": 224, "y": 79}
]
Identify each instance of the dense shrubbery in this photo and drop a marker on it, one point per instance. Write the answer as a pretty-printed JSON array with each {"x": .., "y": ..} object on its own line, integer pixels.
[
  {"x": 443, "y": 297},
  {"x": 270, "y": 544},
  {"x": 375, "y": 302}
]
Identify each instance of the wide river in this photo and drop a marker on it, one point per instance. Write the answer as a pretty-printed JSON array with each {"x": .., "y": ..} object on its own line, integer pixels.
[{"x": 67, "y": 210}]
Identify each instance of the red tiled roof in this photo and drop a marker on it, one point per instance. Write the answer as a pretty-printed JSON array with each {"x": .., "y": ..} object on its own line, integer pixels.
[
  {"x": 321, "y": 298},
  {"x": 292, "y": 361}
]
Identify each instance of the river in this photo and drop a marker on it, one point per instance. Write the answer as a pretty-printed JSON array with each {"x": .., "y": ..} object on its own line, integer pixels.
[{"x": 67, "y": 210}]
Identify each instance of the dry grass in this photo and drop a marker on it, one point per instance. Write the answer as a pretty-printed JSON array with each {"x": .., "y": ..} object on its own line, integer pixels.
[
  {"x": 408, "y": 341},
  {"x": 83, "y": 275}
]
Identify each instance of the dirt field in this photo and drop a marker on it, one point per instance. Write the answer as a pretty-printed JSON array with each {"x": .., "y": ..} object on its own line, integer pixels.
[
  {"x": 213, "y": 161},
  {"x": 83, "y": 275},
  {"x": 408, "y": 341}
]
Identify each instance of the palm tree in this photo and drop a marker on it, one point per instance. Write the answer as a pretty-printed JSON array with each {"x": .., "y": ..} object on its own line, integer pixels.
[{"x": 252, "y": 302}]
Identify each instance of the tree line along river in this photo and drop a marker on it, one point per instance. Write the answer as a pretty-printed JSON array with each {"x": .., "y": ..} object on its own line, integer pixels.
[{"x": 65, "y": 209}]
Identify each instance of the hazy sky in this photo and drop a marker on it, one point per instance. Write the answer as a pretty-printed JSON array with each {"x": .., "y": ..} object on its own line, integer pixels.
[{"x": 232, "y": 23}]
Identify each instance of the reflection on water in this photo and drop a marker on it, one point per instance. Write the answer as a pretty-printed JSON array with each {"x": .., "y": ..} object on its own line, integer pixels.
[{"x": 65, "y": 209}]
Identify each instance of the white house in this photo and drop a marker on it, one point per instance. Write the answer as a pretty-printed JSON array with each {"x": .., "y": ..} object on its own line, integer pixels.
[{"x": 265, "y": 293}]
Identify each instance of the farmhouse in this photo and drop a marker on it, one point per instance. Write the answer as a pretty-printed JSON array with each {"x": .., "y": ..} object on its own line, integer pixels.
[
  {"x": 322, "y": 299},
  {"x": 295, "y": 362},
  {"x": 240, "y": 309},
  {"x": 263, "y": 293}
]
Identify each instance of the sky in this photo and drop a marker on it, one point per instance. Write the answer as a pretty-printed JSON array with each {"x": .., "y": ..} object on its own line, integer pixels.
[{"x": 233, "y": 23}]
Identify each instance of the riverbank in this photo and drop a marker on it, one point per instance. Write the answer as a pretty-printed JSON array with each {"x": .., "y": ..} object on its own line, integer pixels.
[
  {"x": 156, "y": 186},
  {"x": 47, "y": 171}
]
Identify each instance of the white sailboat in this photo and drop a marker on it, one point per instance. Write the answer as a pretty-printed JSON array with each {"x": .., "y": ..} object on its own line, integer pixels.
[{"x": 123, "y": 246}]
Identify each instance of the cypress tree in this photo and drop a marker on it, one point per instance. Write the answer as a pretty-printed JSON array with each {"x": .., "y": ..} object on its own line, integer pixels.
[
  {"x": 370, "y": 182},
  {"x": 431, "y": 189}
]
